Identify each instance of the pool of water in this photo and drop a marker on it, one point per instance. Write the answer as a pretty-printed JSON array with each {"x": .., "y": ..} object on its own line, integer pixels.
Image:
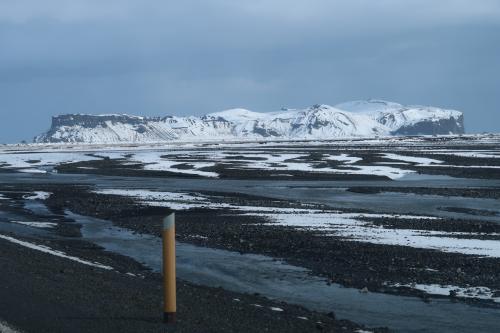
[{"x": 8, "y": 227}]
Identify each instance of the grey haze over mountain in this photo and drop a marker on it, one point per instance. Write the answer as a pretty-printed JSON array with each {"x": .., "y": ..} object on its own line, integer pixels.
[
  {"x": 351, "y": 119},
  {"x": 191, "y": 57}
]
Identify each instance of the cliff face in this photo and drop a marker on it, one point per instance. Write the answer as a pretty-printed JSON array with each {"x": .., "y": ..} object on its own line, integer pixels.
[
  {"x": 442, "y": 126},
  {"x": 90, "y": 121},
  {"x": 353, "y": 119}
]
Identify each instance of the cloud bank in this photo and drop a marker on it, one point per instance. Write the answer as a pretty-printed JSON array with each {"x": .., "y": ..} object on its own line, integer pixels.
[{"x": 156, "y": 57}]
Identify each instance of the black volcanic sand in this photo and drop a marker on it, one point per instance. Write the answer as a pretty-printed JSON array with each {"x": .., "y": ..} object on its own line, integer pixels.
[
  {"x": 483, "y": 193},
  {"x": 353, "y": 264},
  {"x": 40, "y": 292},
  {"x": 471, "y": 211},
  {"x": 117, "y": 167},
  {"x": 44, "y": 293},
  {"x": 480, "y": 171},
  {"x": 232, "y": 166}
]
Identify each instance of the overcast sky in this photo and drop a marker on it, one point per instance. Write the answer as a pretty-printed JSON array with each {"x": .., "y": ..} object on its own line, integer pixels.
[{"x": 155, "y": 57}]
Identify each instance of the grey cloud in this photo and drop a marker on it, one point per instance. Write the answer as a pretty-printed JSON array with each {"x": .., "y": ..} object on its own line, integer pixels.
[{"x": 162, "y": 57}]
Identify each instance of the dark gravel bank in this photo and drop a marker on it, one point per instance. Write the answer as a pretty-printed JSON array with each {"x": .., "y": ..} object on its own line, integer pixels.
[
  {"x": 483, "y": 193},
  {"x": 353, "y": 264},
  {"x": 43, "y": 293}
]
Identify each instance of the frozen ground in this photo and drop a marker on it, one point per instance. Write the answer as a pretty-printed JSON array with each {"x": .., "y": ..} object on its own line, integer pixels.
[
  {"x": 348, "y": 226},
  {"x": 225, "y": 220},
  {"x": 392, "y": 158}
]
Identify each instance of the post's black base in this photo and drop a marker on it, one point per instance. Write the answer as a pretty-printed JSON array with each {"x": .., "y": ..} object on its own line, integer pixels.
[{"x": 169, "y": 317}]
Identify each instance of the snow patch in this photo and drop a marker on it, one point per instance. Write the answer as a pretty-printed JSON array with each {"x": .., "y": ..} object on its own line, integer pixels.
[
  {"x": 153, "y": 161},
  {"x": 43, "y": 225},
  {"x": 38, "y": 195},
  {"x": 45, "y": 249},
  {"x": 185, "y": 201},
  {"x": 449, "y": 290},
  {"x": 31, "y": 170},
  {"x": 276, "y": 309},
  {"x": 419, "y": 160},
  {"x": 30, "y": 162},
  {"x": 350, "y": 227},
  {"x": 293, "y": 162},
  {"x": 344, "y": 158},
  {"x": 173, "y": 200},
  {"x": 5, "y": 328}
]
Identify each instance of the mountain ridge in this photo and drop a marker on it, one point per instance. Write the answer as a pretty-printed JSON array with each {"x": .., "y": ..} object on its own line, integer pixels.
[{"x": 320, "y": 121}]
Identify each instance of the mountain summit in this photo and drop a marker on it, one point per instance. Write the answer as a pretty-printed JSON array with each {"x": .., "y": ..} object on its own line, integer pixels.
[{"x": 351, "y": 119}]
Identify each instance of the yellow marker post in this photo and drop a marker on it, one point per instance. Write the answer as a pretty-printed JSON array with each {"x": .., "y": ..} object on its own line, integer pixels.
[{"x": 169, "y": 286}]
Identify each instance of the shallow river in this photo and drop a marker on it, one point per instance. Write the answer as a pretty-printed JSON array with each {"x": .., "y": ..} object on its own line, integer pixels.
[
  {"x": 274, "y": 279},
  {"x": 332, "y": 193}
]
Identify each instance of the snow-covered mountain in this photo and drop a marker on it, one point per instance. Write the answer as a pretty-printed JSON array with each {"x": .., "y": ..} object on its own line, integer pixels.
[{"x": 351, "y": 119}]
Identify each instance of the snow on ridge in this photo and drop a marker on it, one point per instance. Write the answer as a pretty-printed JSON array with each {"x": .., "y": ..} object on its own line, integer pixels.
[
  {"x": 370, "y": 105},
  {"x": 377, "y": 106},
  {"x": 353, "y": 119},
  {"x": 397, "y": 116},
  {"x": 237, "y": 114},
  {"x": 106, "y": 115}
]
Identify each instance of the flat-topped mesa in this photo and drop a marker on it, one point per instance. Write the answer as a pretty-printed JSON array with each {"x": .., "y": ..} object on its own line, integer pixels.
[
  {"x": 89, "y": 121},
  {"x": 352, "y": 119}
]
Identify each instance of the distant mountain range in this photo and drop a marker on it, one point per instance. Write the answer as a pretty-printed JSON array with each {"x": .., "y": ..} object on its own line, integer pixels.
[{"x": 352, "y": 119}]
